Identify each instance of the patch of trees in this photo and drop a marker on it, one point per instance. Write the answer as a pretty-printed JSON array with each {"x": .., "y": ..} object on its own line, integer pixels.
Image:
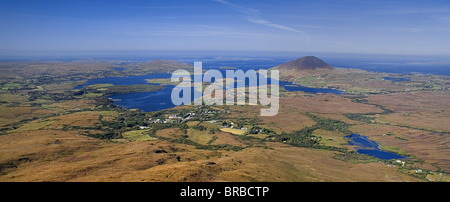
[
  {"x": 258, "y": 130},
  {"x": 305, "y": 138},
  {"x": 329, "y": 124},
  {"x": 134, "y": 119},
  {"x": 105, "y": 104},
  {"x": 34, "y": 95},
  {"x": 300, "y": 138},
  {"x": 352, "y": 155},
  {"x": 109, "y": 134},
  {"x": 360, "y": 117},
  {"x": 199, "y": 127}
]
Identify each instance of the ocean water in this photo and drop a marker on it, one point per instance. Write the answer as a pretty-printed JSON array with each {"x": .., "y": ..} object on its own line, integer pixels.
[{"x": 408, "y": 65}]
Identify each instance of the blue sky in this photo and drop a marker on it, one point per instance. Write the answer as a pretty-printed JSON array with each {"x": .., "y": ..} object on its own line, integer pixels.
[{"x": 346, "y": 26}]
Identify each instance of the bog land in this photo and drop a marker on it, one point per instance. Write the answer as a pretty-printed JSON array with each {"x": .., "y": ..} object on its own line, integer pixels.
[{"x": 50, "y": 131}]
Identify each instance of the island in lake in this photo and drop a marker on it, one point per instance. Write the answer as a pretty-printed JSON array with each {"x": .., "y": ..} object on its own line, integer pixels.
[{"x": 114, "y": 121}]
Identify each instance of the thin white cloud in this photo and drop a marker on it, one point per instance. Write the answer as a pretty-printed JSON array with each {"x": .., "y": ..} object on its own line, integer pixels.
[
  {"x": 254, "y": 16},
  {"x": 269, "y": 24},
  {"x": 205, "y": 33}
]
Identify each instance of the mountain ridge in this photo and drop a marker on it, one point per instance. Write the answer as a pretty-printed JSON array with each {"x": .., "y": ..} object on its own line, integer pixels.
[{"x": 305, "y": 63}]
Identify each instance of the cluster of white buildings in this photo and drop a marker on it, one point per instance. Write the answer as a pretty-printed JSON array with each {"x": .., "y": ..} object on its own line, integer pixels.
[
  {"x": 172, "y": 118},
  {"x": 176, "y": 118},
  {"x": 215, "y": 111}
]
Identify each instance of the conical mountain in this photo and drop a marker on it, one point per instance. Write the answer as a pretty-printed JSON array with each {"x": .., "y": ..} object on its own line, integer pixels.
[
  {"x": 304, "y": 66},
  {"x": 305, "y": 63}
]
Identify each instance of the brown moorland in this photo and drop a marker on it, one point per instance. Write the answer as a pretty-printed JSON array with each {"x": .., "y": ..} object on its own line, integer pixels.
[{"x": 47, "y": 138}]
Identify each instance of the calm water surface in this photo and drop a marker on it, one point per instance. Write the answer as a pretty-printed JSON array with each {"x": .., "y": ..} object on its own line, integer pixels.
[
  {"x": 370, "y": 147},
  {"x": 159, "y": 100}
]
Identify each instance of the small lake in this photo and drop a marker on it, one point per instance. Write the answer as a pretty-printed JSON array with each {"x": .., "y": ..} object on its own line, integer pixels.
[
  {"x": 295, "y": 87},
  {"x": 396, "y": 79},
  {"x": 370, "y": 147}
]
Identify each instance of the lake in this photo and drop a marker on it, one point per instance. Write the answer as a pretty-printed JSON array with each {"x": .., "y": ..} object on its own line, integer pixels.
[
  {"x": 396, "y": 79},
  {"x": 370, "y": 147},
  {"x": 159, "y": 100},
  {"x": 295, "y": 87}
]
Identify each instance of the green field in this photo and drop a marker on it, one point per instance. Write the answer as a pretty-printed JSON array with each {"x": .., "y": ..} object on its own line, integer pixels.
[
  {"x": 137, "y": 135},
  {"x": 233, "y": 131}
]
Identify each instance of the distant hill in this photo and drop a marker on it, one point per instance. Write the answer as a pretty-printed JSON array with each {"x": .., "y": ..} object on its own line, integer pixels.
[{"x": 304, "y": 65}]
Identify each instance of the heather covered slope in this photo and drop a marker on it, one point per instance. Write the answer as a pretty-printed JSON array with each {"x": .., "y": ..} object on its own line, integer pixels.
[
  {"x": 51, "y": 132},
  {"x": 306, "y": 63},
  {"x": 304, "y": 66}
]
